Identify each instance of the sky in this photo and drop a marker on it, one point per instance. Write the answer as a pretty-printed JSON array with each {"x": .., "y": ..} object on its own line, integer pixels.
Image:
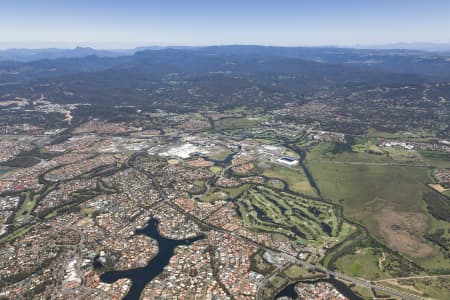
[{"x": 131, "y": 23}]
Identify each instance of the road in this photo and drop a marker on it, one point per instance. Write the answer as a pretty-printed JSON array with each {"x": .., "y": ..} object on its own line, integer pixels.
[
  {"x": 356, "y": 281},
  {"x": 363, "y": 163},
  {"x": 414, "y": 277}
]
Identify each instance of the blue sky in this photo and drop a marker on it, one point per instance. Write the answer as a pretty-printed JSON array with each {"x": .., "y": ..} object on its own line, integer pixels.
[{"x": 128, "y": 23}]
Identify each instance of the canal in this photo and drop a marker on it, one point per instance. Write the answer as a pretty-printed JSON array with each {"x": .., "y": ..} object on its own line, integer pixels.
[
  {"x": 140, "y": 277},
  {"x": 289, "y": 291}
]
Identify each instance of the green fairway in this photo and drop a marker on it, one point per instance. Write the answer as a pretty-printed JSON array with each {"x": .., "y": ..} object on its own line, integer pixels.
[
  {"x": 305, "y": 221},
  {"x": 295, "y": 178}
]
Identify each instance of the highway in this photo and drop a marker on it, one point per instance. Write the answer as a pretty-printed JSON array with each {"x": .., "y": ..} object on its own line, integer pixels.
[{"x": 356, "y": 281}]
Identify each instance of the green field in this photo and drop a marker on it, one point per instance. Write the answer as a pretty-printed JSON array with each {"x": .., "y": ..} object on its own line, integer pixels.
[
  {"x": 430, "y": 288},
  {"x": 236, "y": 123},
  {"x": 436, "y": 159},
  {"x": 305, "y": 221},
  {"x": 221, "y": 155},
  {"x": 322, "y": 152},
  {"x": 405, "y": 156},
  {"x": 434, "y": 288},
  {"x": 387, "y": 199},
  {"x": 27, "y": 206},
  {"x": 364, "y": 264},
  {"x": 220, "y": 193},
  {"x": 295, "y": 178},
  {"x": 370, "y": 186},
  {"x": 369, "y": 147}
]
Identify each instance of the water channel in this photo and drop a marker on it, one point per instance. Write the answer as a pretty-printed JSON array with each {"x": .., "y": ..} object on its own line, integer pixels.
[
  {"x": 289, "y": 291},
  {"x": 140, "y": 277}
]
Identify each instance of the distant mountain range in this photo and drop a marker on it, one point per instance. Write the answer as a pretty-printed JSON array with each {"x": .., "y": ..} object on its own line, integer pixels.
[
  {"x": 27, "y": 54},
  {"x": 436, "y": 47},
  {"x": 51, "y": 63},
  {"x": 181, "y": 79}
]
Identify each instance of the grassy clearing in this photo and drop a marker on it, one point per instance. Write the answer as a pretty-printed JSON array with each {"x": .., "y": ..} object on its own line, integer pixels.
[
  {"x": 388, "y": 200},
  {"x": 363, "y": 187},
  {"x": 212, "y": 196},
  {"x": 364, "y": 293},
  {"x": 363, "y": 264},
  {"x": 215, "y": 169},
  {"x": 276, "y": 184},
  {"x": 404, "y": 156},
  {"x": 439, "y": 235},
  {"x": 27, "y": 206},
  {"x": 236, "y": 123},
  {"x": 372, "y": 133},
  {"x": 434, "y": 288},
  {"x": 17, "y": 233},
  {"x": 259, "y": 264},
  {"x": 296, "y": 272},
  {"x": 237, "y": 191},
  {"x": 436, "y": 159},
  {"x": 295, "y": 178},
  {"x": 219, "y": 155},
  {"x": 369, "y": 147},
  {"x": 323, "y": 152},
  {"x": 216, "y": 194}
]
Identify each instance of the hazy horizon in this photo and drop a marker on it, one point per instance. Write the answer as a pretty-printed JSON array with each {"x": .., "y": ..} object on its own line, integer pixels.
[
  {"x": 115, "y": 25},
  {"x": 118, "y": 46}
]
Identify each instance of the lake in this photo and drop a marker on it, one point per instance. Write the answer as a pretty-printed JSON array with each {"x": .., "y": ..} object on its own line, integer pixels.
[{"x": 140, "y": 277}]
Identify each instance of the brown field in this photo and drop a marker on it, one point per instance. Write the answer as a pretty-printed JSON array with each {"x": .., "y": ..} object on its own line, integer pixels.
[{"x": 403, "y": 230}]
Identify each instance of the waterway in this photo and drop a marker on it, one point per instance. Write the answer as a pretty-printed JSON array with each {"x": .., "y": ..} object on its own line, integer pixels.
[
  {"x": 289, "y": 291},
  {"x": 4, "y": 170},
  {"x": 140, "y": 277}
]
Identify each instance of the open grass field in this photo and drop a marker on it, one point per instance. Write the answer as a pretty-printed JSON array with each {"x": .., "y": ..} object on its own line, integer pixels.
[
  {"x": 368, "y": 146},
  {"x": 295, "y": 178},
  {"x": 387, "y": 200},
  {"x": 322, "y": 152},
  {"x": 436, "y": 159},
  {"x": 431, "y": 288},
  {"x": 220, "y": 155},
  {"x": 364, "y": 187},
  {"x": 364, "y": 293},
  {"x": 297, "y": 272},
  {"x": 216, "y": 193},
  {"x": 363, "y": 264},
  {"x": 27, "y": 206},
  {"x": 236, "y": 123},
  {"x": 405, "y": 156}
]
